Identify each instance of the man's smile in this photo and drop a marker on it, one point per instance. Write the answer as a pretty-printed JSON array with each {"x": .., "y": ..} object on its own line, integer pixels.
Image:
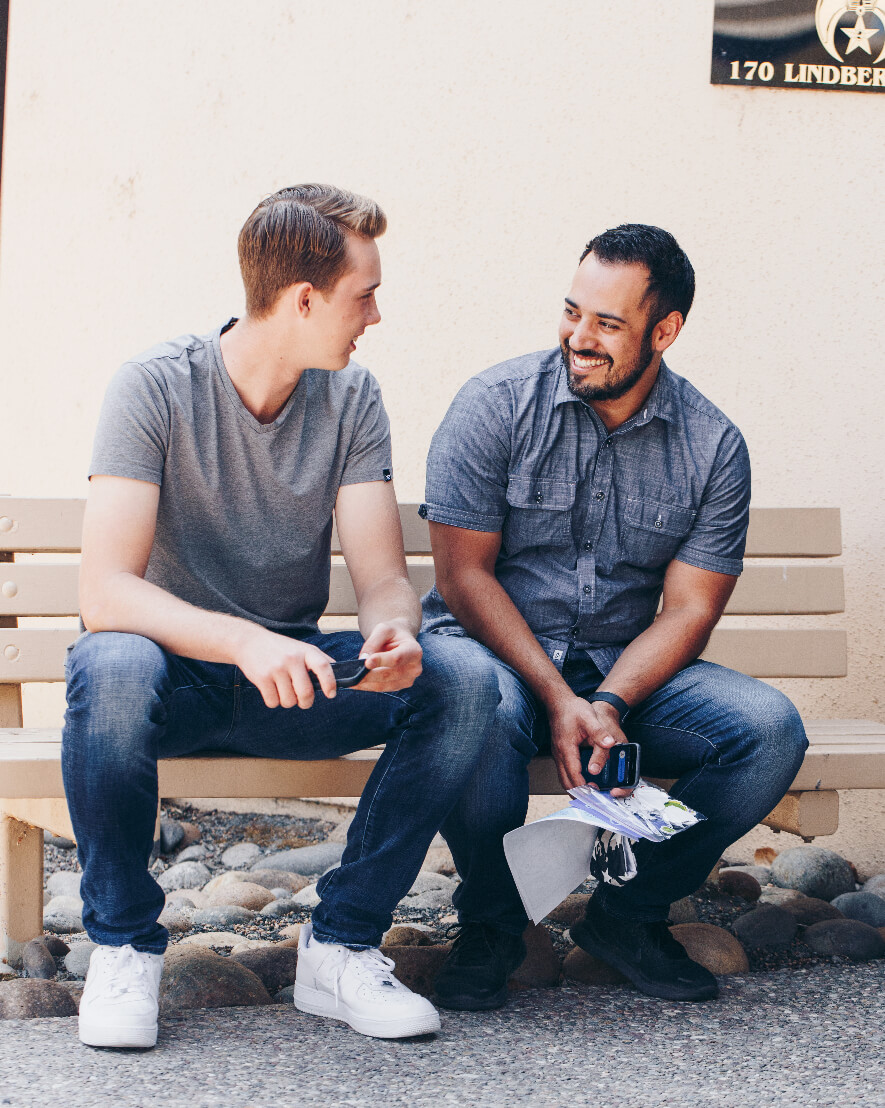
[{"x": 584, "y": 362}]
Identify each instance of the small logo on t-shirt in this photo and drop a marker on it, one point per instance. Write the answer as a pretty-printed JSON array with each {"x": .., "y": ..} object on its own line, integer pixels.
[{"x": 387, "y": 475}]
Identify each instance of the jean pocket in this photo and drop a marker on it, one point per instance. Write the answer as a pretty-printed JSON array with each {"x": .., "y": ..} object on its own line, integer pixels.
[
  {"x": 539, "y": 512},
  {"x": 655, "y": 531}
]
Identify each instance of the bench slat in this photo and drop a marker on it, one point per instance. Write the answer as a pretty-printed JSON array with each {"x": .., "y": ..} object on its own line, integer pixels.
[
  {"x": 30, "y": 767},
  {"x": 32, "y": 655},
  {"x": 35, "y": 525},
  {"x": 35, "y": 589}
]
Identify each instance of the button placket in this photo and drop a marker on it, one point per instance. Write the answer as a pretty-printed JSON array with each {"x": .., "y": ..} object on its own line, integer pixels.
[{"x": 602, "y": 480}]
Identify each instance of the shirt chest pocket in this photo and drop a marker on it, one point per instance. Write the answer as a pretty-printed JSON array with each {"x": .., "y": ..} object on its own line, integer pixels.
[
  {"x": 654, "y": 532},
  {"x": 539, "y": 512}
]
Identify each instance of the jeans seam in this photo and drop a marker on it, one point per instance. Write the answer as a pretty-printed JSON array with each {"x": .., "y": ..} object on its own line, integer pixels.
[
  {"x": 681, "y": 731},
  {"x": 387, "y": 770}
]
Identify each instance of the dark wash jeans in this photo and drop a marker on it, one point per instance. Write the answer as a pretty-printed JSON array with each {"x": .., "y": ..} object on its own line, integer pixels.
[
  {"x": 734, "y": 743},
  {"x": 130, "y": 703}
]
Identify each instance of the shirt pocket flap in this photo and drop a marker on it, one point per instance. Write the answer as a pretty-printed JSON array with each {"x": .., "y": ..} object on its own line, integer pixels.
[
  {"x": 548, "y": 493},
  {"x": 666, "y": 519}
]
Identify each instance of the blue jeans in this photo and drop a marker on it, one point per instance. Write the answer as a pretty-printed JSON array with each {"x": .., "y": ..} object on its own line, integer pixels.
[
  {"x": 734, "y": 744},
  {"x": 130, "y": 703}
]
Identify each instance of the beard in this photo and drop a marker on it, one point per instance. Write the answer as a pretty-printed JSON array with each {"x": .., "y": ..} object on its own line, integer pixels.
[{"x": 618, "y": 379}]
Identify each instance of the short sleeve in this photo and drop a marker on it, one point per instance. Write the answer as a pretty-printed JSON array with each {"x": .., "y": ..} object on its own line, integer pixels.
[
  {"x": 133, "y": 428},
  {"x": 368, "y": 456},
  {"x": 719, "y": 535},
  {"x": 468, "y": 463}
]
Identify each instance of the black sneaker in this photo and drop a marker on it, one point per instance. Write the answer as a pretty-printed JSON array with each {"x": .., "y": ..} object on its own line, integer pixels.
[
  {"x": 474, "y": 975},
  {"x": 646, "y": 953}
]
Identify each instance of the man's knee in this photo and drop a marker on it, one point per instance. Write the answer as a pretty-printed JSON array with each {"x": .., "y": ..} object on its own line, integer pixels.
[
  {"x": 113, "y": 682},
  {"x": 462, "y": 675}
]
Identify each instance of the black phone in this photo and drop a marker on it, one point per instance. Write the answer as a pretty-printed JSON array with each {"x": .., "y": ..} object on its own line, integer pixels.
[
  {"x": 347, "y": 673},
  {"x": 621, "y": 771}
]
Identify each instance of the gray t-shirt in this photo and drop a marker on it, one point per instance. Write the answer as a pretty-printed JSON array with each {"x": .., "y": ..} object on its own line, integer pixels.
[{"x": 245, "y": 513}]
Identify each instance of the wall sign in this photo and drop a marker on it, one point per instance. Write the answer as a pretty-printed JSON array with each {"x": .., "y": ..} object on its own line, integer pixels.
[{"x": 819, "y": 44}]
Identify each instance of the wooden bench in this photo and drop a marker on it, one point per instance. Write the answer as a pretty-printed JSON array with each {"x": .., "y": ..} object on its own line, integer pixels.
[{"x": 844, "y": 754}]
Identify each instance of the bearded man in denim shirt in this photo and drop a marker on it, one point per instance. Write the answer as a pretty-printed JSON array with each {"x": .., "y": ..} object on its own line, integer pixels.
[{"x": 568, "y": 492}]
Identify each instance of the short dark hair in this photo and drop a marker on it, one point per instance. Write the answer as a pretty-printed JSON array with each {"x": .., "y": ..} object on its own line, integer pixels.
[
  {"x": 671, "y": 276},
  {"x": 300, "y": 234}
]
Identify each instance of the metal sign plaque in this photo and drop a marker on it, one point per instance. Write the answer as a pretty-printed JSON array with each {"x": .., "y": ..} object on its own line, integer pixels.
[{"x": 819, "y": 44}]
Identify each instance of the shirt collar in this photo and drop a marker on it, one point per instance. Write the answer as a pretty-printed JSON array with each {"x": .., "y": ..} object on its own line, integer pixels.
[{"x": 660, "y": 402}]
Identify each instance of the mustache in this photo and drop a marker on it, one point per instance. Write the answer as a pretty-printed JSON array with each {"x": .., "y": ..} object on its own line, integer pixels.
[{"x": 590, "y": 354}]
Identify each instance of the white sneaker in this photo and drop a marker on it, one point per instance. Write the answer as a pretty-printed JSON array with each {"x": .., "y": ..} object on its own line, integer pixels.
[
  {"x": 120, "y": 1000},
  {"x": 358, "y": 986}
]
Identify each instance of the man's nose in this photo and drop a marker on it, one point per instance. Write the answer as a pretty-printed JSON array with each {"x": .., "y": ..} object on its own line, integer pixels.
[{"x": 583, "y": 337}]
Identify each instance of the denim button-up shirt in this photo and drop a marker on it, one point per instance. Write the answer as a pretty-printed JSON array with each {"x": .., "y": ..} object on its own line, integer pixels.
[{"x": 590, "y": 520}]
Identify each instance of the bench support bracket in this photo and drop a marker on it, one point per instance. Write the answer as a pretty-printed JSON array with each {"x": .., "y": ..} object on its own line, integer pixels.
[
  {"x": 21, "y": 886},
  {"x": 807, "y": 814}
]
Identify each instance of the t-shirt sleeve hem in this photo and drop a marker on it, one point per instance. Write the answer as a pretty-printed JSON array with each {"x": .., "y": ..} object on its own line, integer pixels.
[
  {"x": 732, "y": 566},
  {"x": 470, "y": 521},
  {"x": 133, "y": 472}
]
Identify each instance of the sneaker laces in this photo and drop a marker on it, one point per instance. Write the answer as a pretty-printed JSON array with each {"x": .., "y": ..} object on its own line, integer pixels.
[
  {"x": 473, "y": 943},
  {"x": 373, "y": 967},
  {"x": 125, "y": 972}
]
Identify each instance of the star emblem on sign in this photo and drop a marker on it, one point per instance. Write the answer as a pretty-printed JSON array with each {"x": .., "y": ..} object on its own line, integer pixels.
[{"x": 859, "y": 35}]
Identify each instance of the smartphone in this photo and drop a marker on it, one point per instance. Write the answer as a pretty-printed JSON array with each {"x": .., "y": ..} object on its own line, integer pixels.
[
  {"x": 621, "y": 771},
  {"x": 347, "y": 673}
]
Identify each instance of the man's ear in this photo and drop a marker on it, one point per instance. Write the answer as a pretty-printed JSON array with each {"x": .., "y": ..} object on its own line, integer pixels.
[
  {"x": 298, "y": 298},
  {"x": 666, "y": 331}
]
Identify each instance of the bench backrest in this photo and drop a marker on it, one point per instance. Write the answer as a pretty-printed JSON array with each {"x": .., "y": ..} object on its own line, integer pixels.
[{"x": 780, "y": 579}]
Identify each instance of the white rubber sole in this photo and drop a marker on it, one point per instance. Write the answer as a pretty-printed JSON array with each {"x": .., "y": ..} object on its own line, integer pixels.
[
  {"x": 135, "y": 1038},
  {"x": 317, "y": 1003}
]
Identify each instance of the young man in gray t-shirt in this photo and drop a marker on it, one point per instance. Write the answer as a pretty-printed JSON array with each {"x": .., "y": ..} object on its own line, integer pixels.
[{"x": 218, "y": 465}]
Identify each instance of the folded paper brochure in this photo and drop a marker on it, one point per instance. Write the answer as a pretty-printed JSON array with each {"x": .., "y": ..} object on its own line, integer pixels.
[{"x": 551, "y": 857}]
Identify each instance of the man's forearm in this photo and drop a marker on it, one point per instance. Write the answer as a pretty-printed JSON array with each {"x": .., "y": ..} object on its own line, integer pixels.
[
  {"x": 652, "y": 658},
  {"x": 390, "y": 600},
  {"x": 132, "y": 605},
  {"x": 484, "y": 609}
]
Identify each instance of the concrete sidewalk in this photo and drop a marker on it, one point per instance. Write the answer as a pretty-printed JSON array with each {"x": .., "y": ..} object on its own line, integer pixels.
[{"x": 811, "y": 1037}]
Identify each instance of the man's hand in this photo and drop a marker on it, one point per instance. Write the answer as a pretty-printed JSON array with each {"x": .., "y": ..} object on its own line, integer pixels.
[
  {"x": 575, "y": 723},
  {"x": 277, "y": 666},
  {"x": 393, "y": 657}
]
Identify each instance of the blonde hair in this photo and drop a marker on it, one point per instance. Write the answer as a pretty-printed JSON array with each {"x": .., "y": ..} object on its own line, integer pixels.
[{"x": 300, "y": 234}]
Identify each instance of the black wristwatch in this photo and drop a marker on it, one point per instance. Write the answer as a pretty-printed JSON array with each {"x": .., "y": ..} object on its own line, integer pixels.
[{"x": 613, "y": 699}]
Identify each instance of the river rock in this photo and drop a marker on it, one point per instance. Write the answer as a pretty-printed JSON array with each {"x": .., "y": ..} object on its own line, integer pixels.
[
  {"x": 276, "y": 909},
  {"x": 240, "y": 855},
  {"x": 198, "y": 978},
  {"x": 761, "y": 873},
  {"x": 306, "y": 860},
  {"x": 683, "y": 911},
  {"x": 432, "y": 900},
  {"x": 427, "y": 881},
  {"x": 813, "y": 871},
  {"x": 275, "y": 965},
  {"x": 62, "y": 915},
  {"x": 244, "y": 893},
  {"x": 37, "y": 961},
  {"x": 171, "y": 835},
  {"x": 403, "y": 935},
  {"x": 571, "y": 910},
  {"x": 59, "y": 841},
  {"x": 285, "y": 996},
  {"x": 175, "y": 920},
  {"x": 846, "y": 937},
  {"x": 712, "y": 947},
  {"x": 807, "y": 910},
  {"x": 417, "y": 966},
  {"x": 184, "y": 901},
  {"x": 867, "y": 907},
  {"x": 250, "y": 944},
  {"x": 541, "y": 967},
  {"x": 585, "y": 968},
  {"x": 439, "y": 860},
  {"x": 64, "y": 883},
  {"x": 77, "y": 958},
  {"x": 57, "y": 947},
  {"x": 195, "y": 853},
  {"x": 192, "y": 833},
  {"x": 766, "y": 927},
  {"x": 738, "y": 882},
  {"x": 24, "y": 1000},
  {"x": 291, "y": 931},
  {"x": 222, "y": 915},
  {"x": 773, "y": 894},
  {"x": 875, "y": 885},
  {"x": 184, "y": 875},
  {"x": 212, "y": 940},
  {"x": 277, "y": 878}
]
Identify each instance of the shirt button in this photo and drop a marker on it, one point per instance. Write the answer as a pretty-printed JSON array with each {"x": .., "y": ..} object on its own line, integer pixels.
[
  {"x": 587, "y": 590},
  {"x": 539, "y": 499},
  {"x": 588, "y": 545},
  {"x": 574, "y": 632},
  {"x": 600, "y": 496},
  {"x": 658, "y": 523}
]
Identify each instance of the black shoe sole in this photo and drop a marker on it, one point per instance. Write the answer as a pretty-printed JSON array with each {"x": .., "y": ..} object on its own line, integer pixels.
[
  {"x": 583, "y": 935},
  {"x": 466, "y": 1003}
]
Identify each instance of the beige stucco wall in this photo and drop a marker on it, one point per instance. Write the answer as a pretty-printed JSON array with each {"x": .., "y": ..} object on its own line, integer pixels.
[{"x": 499, "y": 137}]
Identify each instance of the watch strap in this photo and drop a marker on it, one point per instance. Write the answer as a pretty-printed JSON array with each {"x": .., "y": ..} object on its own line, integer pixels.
[{"x": 612, "y": 698}]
